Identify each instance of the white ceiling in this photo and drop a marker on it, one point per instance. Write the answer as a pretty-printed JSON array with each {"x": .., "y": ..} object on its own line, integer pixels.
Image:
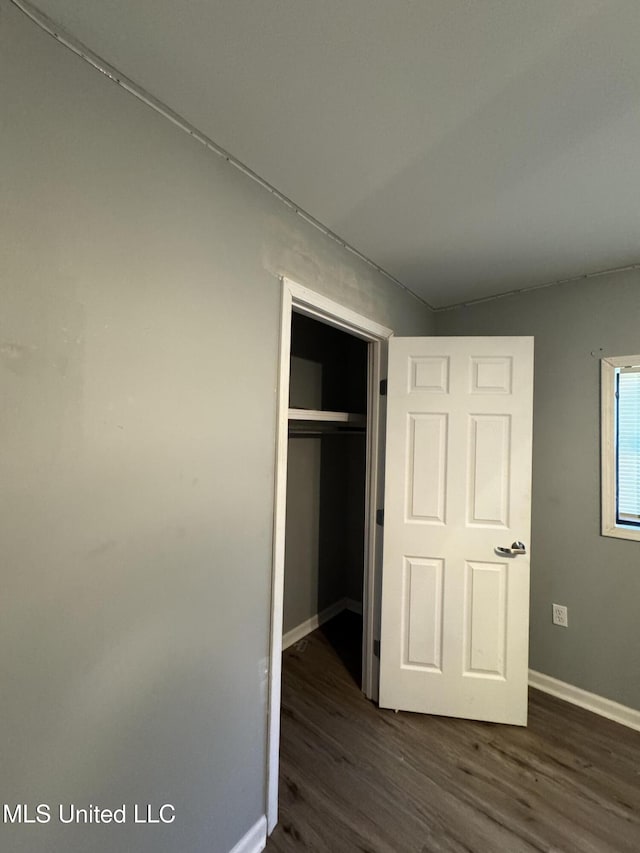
[{"x": 467, "y": 147}]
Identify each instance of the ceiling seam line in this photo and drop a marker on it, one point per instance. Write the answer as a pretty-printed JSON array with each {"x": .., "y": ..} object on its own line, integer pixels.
[
  {"x": 519, "y": 290},
  {"x": 83, "y": 52}
]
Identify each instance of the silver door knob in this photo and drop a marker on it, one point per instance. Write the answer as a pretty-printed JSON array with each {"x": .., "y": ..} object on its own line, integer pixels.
[{"x": 516, "y": 548}]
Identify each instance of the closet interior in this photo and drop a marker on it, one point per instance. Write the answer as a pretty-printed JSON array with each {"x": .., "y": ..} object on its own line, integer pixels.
[{"x": 326, "y": 475}]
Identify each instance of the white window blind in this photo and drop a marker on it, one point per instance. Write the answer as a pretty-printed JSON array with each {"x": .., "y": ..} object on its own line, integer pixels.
[{"x": 628, "y": 446}]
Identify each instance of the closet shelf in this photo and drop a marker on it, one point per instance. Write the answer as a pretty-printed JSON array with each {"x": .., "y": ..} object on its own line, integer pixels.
[
  {"x": 310, "y": 422},
  {"x": 318, "y": 416}
]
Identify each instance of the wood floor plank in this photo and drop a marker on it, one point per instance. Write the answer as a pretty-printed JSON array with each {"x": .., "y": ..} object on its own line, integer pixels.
[{"x": 358, "y": 778}]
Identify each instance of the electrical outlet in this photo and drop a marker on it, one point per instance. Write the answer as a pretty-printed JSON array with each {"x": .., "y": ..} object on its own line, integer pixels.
[{"x": 560, "y": 615}]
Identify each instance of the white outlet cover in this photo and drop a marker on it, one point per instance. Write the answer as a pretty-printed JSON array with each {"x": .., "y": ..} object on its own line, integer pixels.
[{"x": 559, "y": 615}]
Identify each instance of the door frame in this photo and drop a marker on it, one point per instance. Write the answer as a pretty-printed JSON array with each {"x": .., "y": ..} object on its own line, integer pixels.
[{"x": 312, "y": 304}]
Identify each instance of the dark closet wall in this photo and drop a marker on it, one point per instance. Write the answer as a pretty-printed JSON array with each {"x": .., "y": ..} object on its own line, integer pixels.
[{"x": 324, "y": 548}]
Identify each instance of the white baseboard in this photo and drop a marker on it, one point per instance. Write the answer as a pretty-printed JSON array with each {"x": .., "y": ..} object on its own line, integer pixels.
[
  {"x": 591, "y": 701},
  {"x": 296, "y": 634},
  {"x": 255, "y": 840},
  {"x": 301, "y": 631}
]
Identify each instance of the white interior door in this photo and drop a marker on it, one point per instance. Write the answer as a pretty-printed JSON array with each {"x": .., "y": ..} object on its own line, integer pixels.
[{"x": 455, "y": 613}]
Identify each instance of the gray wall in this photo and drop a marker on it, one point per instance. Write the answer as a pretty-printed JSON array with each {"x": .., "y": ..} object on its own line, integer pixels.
[
  {"x": 138, "y": 346},
  {"x": 324, "y": 549},
  {"x": 302, "y": 544},
  {"x": 598, "y": 578}
]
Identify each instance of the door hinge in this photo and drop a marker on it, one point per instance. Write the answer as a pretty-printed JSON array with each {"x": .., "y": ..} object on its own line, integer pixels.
[
  {"x": 383, "y": 387},
  {"x": 380, "y": 517},
  {"x": 376, "y": 648}
]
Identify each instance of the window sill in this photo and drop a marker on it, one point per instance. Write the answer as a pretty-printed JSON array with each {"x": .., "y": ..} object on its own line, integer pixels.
[{"x": 620, "y": 532}]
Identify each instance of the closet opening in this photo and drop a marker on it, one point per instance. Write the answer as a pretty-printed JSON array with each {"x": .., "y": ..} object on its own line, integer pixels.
[
  {"x": 327, "y": 546},
  {"x": 326, "y": 489}
]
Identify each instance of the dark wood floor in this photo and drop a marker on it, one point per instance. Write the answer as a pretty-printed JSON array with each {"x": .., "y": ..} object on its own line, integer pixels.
[{"x": 357, "y": 778}]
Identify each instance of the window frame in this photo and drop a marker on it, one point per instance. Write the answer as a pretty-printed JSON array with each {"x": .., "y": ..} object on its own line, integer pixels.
[{"x": 610, "y": 525}]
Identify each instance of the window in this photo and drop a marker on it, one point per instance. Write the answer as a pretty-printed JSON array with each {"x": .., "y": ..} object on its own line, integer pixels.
[{"x": 620, "y": 407}]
